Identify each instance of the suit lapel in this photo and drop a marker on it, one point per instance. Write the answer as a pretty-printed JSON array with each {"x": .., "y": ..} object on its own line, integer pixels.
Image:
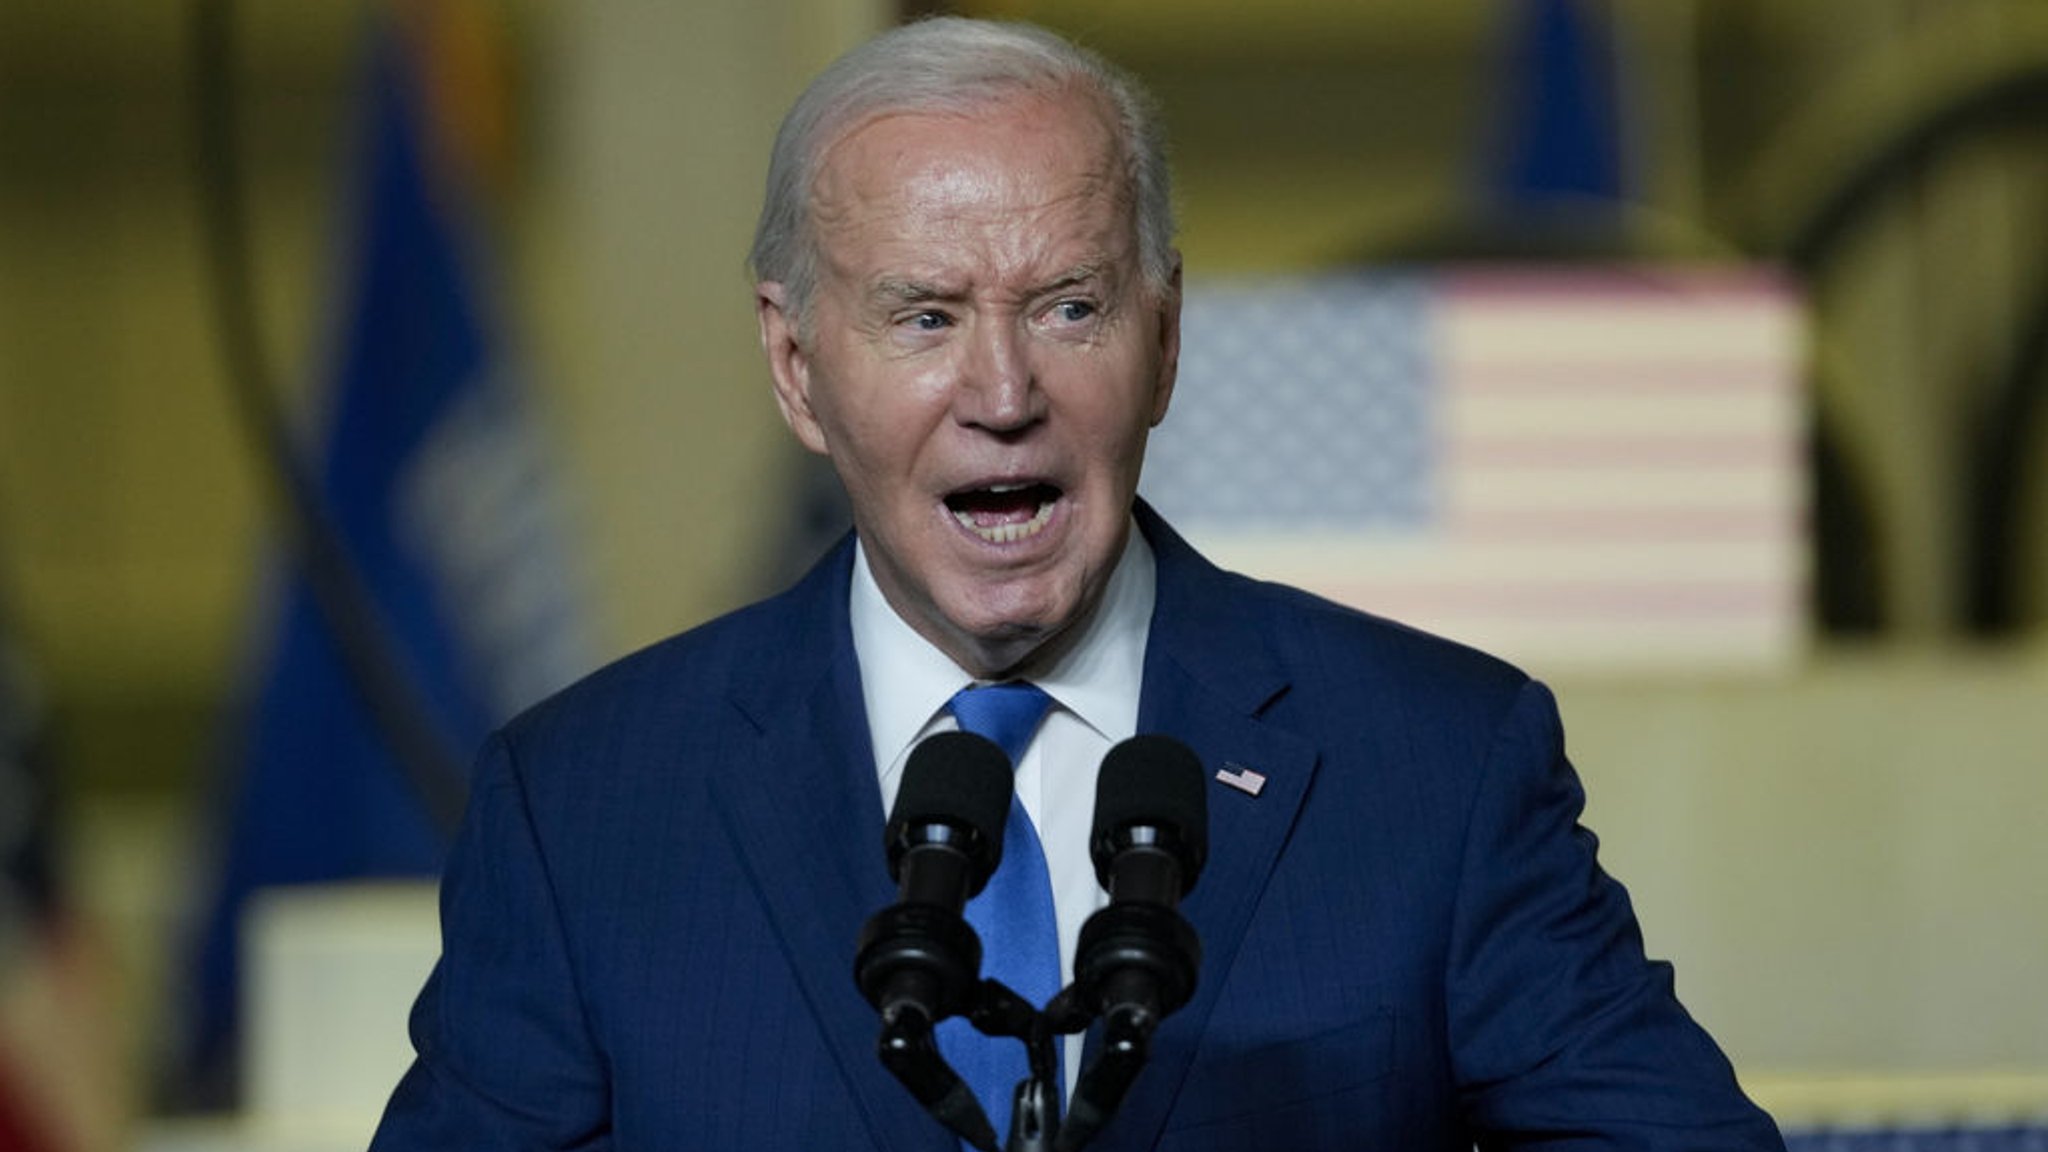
[
  {"x": 1209, "y": 675},
  {"x": 806, "y": 819}
]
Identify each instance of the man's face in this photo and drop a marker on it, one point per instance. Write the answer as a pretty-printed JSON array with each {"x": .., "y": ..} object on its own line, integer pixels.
[{"x": 984, "y": 361}]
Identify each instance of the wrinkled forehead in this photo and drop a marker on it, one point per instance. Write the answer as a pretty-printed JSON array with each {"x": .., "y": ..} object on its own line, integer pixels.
[{"x": 900, "y": 158}]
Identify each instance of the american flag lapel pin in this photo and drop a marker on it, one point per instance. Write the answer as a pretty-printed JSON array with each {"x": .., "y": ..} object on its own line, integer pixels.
[{"x": 1241, "y": 778}]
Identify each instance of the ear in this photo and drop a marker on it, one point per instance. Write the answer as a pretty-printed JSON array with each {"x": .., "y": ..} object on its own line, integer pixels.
[
  {"x": 788, "y": 364},
  {"x": 1169, "y": 343}
]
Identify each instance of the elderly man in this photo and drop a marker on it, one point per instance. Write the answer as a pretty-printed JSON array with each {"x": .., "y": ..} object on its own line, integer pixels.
[{"x": 969, "y": 301}]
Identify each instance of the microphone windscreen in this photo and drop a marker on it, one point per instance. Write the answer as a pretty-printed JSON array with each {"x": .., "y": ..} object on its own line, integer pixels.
[
  {"x": 957, "y": 779},
  {"x": 1155, "y": 781}
]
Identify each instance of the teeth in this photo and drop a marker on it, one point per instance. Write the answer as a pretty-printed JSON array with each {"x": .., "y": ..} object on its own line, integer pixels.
[{"x": 1008, "y": 533}]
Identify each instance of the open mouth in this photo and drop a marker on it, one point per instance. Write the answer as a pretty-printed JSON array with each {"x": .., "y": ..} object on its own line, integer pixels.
[{"x": 1004, "y": 513}]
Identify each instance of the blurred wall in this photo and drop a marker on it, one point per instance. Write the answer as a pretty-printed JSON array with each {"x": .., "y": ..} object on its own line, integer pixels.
[{"x": 658, "y": 130}]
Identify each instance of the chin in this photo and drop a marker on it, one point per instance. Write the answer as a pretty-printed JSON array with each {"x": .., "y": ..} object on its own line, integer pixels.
[
  {"x": 1009, "y": 611},
  {"x": 1005, "y": 640}
]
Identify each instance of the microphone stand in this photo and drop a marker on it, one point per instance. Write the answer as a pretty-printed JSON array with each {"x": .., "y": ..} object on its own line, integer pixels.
[
  {"x": 1034, "y": 1109},
  {"x": 1127, "y": 1042},
  {"x": 1136, "y": 964},
  {"x": 908, "y": 1048},
  {"x": 1130, "y": 1008}
]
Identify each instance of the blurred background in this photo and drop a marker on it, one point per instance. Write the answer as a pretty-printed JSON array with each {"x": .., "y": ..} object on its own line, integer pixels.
[{"x": 368, "y": 369}]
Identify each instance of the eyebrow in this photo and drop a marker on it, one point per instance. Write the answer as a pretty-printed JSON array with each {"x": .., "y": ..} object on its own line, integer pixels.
[
  {"x": 895, "y": 291},
  {"x": 1078, "y": 274}
]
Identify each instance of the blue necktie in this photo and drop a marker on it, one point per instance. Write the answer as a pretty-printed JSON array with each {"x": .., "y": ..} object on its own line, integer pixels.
[{"x": 1020, "y": 939}]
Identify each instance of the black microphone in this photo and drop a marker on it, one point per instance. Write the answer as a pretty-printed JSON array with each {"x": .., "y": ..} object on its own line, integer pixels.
[
  {"x": 1151, "y": 834},
  {"x": 919, "y": 962},
  {"x": 1137, "y": 958},
  {"x": 944, "y": 839}
]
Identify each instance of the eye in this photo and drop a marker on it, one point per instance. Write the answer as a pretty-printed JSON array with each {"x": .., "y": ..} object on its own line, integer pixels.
[
  {"x": 927, "y": 321},
  {"x": 1072, "y": 311}
]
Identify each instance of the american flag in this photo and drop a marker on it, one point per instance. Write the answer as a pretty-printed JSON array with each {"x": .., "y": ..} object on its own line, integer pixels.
[{"x": 1581, "y": 469}]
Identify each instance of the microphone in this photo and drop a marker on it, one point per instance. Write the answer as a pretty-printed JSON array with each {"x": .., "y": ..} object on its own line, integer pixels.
[
  {"x": 918, "y": 961},
  {"x": 944, "y": 839},
  {"x": 1137, "y": 958},
  {"x": 1151, "y": 834}
]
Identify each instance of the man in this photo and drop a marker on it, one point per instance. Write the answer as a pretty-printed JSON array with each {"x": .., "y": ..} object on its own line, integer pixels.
[{"x": 969, "y": 302}]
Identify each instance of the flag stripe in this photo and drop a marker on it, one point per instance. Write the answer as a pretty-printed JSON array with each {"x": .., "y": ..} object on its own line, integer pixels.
[
  {"x": 1558, "y": 379},
  {"x": 1521, "y": 458}
]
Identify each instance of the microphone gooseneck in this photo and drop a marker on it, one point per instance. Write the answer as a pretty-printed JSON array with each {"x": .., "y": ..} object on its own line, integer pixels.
[
  {"x": 918, "y": 961},
  {"x": 1138, "y": 957}
]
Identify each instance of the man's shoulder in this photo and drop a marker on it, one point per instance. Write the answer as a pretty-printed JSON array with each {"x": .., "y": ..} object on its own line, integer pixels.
[
  {"x": 701, "y": 673},
  {"x": 1310, "y": 633},
  {"x": 1355, "y": 642}
]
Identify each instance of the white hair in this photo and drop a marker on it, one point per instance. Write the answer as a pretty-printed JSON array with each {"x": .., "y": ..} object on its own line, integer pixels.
[{"x": 950, "y": 64}]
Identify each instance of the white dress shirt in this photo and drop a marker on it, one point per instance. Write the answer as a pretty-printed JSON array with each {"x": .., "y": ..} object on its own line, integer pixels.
[{"x": 906, "y": 683}]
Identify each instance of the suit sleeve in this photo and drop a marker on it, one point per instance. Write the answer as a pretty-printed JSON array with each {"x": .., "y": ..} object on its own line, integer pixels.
[
  {"x": 504, "y": 1054},
  {"x": 1563, "y": 1033}
]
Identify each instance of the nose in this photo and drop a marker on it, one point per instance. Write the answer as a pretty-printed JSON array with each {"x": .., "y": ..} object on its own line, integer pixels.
[{"x": 997, "y": 388}]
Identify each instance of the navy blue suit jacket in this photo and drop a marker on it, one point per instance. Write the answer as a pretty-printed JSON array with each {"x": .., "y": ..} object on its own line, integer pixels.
[{"x": 649, "y": 918}]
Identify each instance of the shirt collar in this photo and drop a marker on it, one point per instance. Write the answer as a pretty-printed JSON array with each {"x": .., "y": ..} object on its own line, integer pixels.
[{"x": 906, "y": 681}]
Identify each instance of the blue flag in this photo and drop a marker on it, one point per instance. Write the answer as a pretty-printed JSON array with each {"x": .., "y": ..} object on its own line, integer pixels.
[
  {"x": 1561, "y": 126},
  {"x": 440, "y": 520}
]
